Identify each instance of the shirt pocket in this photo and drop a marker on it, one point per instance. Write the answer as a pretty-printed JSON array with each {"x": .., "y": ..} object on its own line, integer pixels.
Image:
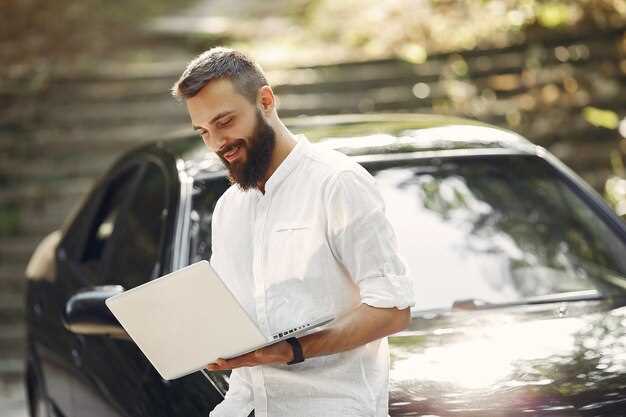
[
  {"x": 289, "y": 251},
  {"x": 290, "y": 228}
]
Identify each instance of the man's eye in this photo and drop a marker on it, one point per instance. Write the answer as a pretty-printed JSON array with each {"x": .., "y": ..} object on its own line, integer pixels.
[{"x": 226, "y": 122}]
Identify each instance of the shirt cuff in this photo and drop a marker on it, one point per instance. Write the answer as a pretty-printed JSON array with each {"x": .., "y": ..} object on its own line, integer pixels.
[{"x": 387, "y": 291}]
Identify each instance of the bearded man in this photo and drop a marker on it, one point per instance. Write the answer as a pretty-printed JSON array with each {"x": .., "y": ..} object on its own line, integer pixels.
[{"x": 300, "y": 234}]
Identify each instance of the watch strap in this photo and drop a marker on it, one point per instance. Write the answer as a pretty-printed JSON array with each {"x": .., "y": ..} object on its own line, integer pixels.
[{"x": 297, "y": 350}]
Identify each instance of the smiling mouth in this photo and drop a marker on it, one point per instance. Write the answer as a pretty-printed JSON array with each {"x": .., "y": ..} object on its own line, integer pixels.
[{"x": 231, "y": 151}]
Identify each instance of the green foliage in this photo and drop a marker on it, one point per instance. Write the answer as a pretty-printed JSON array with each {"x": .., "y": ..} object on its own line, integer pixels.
[
  {"x": 554, "y": 14},
  {"x": 601, "y": 118},
  {"x": 385, "y": 28}
]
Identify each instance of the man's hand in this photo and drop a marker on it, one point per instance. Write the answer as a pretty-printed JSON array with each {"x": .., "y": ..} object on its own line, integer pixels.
[{"x": 277, "y": 353}]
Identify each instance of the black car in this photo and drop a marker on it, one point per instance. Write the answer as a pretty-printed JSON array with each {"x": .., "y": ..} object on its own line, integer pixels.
[{"x": 519, "y": 271}]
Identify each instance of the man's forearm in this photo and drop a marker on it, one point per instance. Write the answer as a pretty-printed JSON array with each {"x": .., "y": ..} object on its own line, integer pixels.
[
  {"x": 355, "y": 328},
  {"x": 358, "y": 327}
]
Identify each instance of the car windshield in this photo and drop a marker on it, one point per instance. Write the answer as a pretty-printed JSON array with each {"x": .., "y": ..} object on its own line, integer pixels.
[{"x": 499, "y": 229}]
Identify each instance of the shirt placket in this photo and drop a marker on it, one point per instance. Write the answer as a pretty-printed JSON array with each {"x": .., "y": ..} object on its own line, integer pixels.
[
  {"x": 258, "y": 267},
  {"x": 260, "y": 221}
]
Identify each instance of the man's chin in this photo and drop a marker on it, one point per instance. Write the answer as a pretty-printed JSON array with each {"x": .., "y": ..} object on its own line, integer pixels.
[
  {"x": 236, "y": 176},
  {"x": 244, "y": 186}
]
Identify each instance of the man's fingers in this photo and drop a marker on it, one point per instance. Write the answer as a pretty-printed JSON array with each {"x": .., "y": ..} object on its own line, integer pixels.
[
  {"x": 217, "y": 365},
  {"x": 249, "y": 359}
]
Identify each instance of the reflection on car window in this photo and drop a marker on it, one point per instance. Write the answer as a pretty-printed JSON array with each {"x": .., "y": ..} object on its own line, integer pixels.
[
  {"x": 500, "y": 229},
  {"x": 137, "y": 251},
  {"x": 106, "y": 228},
  {"x": 205, "y": 195},
  {"x": 104, "y": 223}
]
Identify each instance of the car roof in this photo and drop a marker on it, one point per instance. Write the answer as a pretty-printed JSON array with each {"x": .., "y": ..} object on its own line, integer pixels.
[{"x": 366, "y": 135}]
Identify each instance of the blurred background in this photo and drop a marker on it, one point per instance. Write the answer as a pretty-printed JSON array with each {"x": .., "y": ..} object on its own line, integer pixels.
[{"x": 83, "y": 81}]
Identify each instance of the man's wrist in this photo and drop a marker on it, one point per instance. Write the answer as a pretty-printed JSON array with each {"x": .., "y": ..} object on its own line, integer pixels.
[
  {"x": 288, "y": 352},
  {"x": 296, "y": 351}
]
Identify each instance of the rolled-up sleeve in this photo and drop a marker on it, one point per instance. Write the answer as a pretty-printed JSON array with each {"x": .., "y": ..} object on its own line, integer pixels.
[{"x": 364, "y": 241}]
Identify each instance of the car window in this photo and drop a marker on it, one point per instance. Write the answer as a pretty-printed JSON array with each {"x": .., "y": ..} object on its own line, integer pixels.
[
  {"x": 100, "y": 217},
  {"x": 499, "y": 229},
  {"x": 135, "y": 258},
  {"x": 204, "y": 196}
]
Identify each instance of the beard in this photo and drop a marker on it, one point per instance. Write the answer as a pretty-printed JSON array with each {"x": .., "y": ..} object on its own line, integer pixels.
[{"x": 258, "y": 150}]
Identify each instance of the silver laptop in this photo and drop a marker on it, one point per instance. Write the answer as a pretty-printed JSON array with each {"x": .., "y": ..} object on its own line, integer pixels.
[{"x": 187, "y": 319}]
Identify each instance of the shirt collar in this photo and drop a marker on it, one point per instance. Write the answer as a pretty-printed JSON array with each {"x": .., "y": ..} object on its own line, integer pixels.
[{"x": 288, "y": 164}]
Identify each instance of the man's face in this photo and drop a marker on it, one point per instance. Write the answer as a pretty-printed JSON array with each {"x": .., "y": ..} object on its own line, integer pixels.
[{"x": 235, "y": 129}]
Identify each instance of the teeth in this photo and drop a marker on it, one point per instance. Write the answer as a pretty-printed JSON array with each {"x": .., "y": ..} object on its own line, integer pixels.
[{"x": 232, "y": 151}]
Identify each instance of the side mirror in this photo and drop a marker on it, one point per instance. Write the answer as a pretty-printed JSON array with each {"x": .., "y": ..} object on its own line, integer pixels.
[{"x": 86, "y": 313}]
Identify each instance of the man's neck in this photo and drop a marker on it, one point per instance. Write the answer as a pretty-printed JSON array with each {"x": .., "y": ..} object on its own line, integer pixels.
[{"x": 285, "y": 142}]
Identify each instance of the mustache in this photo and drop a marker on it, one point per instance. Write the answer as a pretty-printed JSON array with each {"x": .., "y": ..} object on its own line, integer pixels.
[{"x": 227, "y": 148}]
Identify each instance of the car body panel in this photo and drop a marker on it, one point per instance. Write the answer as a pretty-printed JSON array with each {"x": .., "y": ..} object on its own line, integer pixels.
[{"x": 558, "y": 359}]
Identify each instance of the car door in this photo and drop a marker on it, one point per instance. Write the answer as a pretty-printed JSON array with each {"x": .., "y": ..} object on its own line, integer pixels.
[
  {"x": 79, "y": 262},
  {"x": 117, "y": 377}
]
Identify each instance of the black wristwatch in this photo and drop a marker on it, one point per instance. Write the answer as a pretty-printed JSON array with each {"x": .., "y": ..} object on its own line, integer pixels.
[{"x": 297, "y": 351}]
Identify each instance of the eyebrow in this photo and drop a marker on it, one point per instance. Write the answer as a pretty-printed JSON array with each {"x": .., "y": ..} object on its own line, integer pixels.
[{"x": 213, "y": 120}]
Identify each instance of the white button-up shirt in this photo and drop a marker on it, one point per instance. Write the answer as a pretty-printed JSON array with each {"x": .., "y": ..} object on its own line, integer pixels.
[{"x": 317, "y": 243}]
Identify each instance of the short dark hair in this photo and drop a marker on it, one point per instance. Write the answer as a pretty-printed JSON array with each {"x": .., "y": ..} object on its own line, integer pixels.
[{"x": 219, "y": 62}]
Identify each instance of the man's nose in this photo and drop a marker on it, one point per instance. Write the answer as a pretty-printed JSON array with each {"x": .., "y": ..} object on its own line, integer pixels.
[{"x": 214, "y": 141}]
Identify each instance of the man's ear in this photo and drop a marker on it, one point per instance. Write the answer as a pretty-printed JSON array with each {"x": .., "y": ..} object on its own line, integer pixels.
[{"x": 266, "y": 99}]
